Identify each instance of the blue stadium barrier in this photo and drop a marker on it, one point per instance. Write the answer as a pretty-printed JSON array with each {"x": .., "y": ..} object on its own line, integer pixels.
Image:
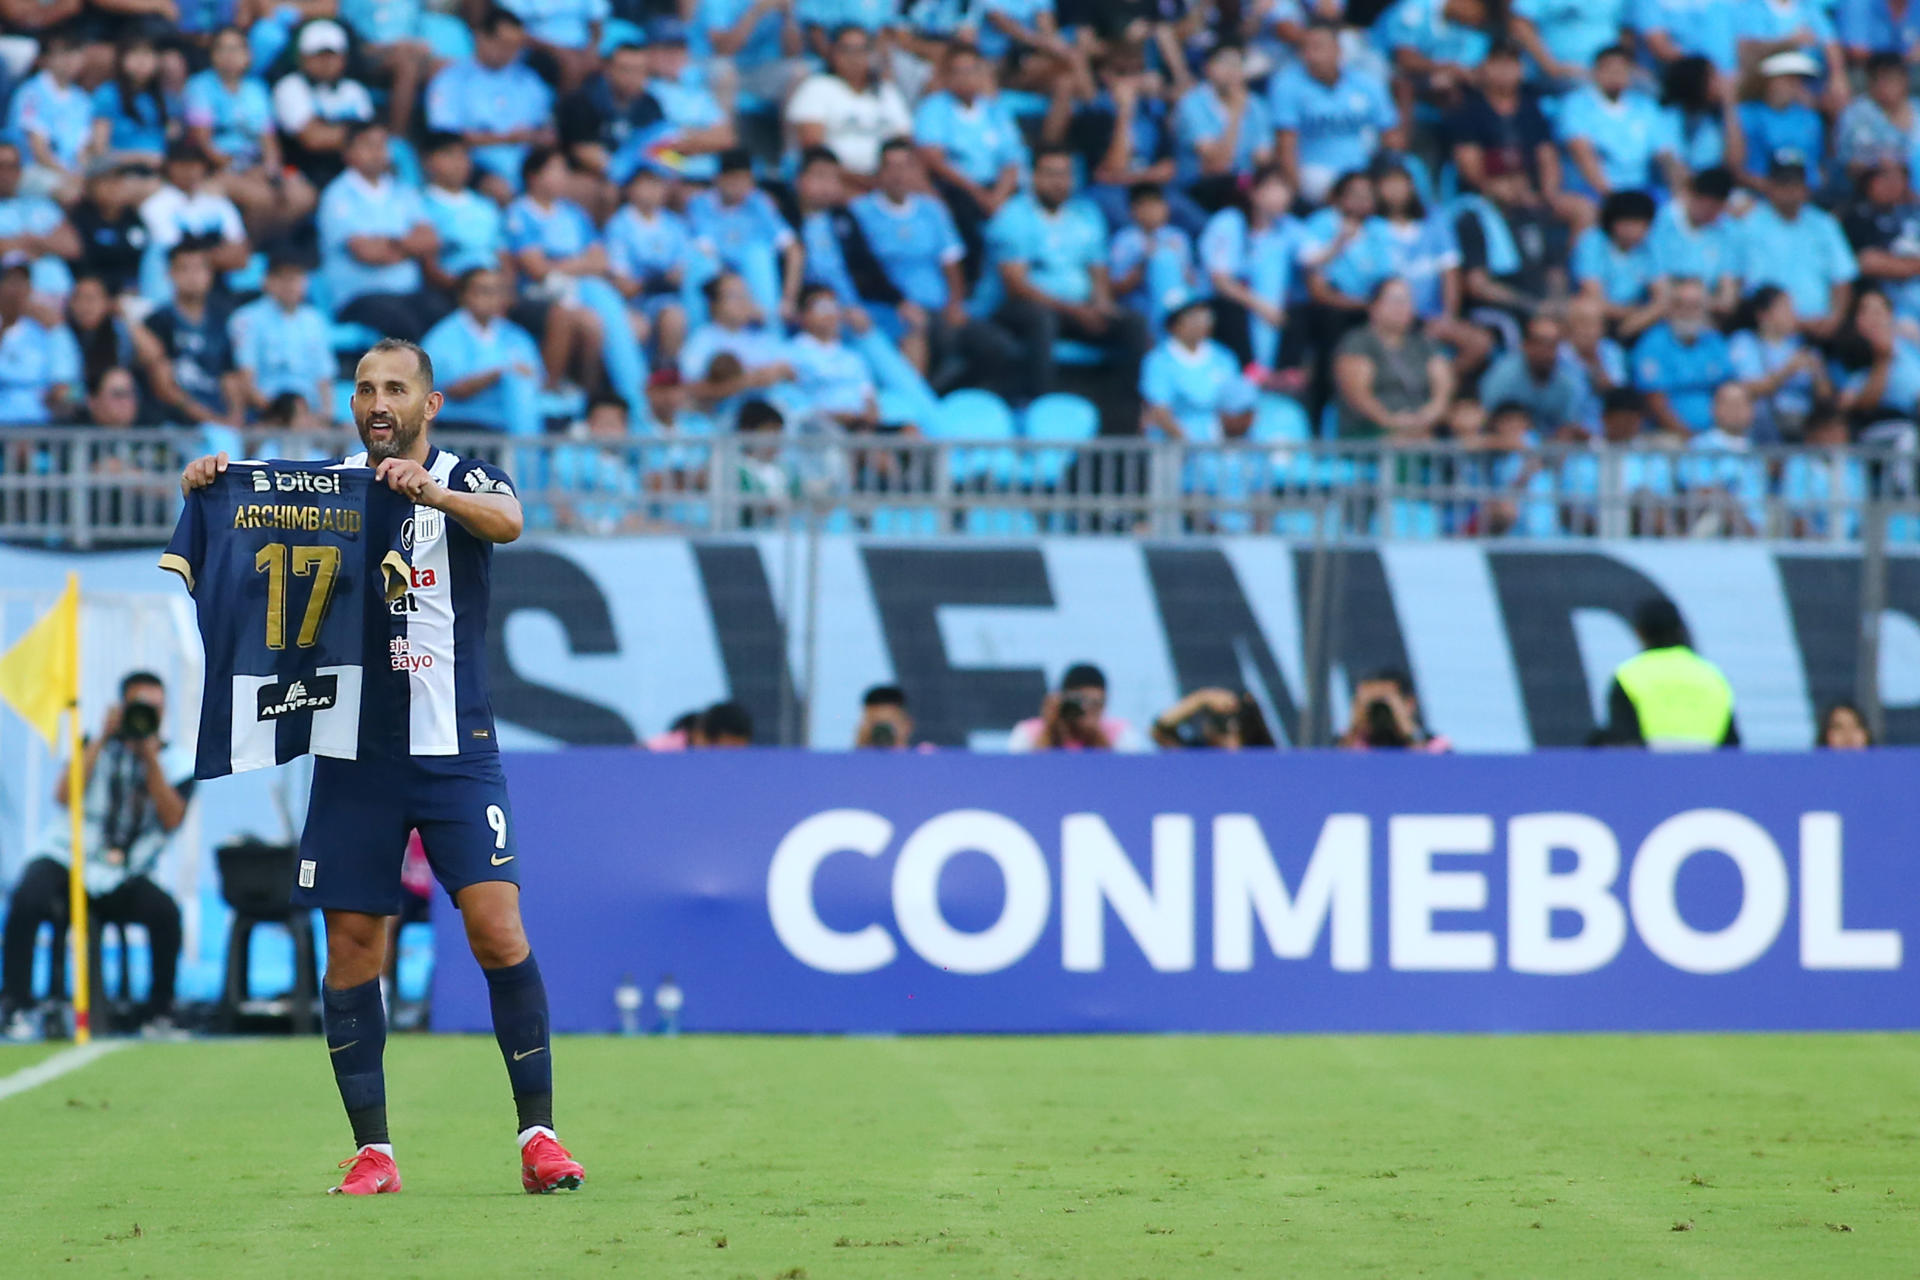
[{"x": 1203, "y": 891}]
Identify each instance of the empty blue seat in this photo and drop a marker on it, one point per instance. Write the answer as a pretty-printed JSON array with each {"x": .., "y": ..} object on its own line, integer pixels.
[
  {"x": 452, "y": 39},
  {"x": 1279, "y": 419},
  {"x": 972, "y": 416},
  {"x": 616, "y": 32},
  {"x": 1062, "y": 418}
]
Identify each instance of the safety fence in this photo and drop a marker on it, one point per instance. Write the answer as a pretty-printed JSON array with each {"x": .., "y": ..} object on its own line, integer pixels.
[{"x": 88, "y": 487}]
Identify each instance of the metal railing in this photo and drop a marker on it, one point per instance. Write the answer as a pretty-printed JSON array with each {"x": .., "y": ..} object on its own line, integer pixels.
[{"x": 88, "y": 487}]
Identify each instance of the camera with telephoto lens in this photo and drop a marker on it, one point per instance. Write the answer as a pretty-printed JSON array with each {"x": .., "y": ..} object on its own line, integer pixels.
[
  {"x": 1072, "y": 706},
  {"x": 138, "y": 720},
  {"x": 883, "y": 734},
  {"x": 1383, "y": 727}
]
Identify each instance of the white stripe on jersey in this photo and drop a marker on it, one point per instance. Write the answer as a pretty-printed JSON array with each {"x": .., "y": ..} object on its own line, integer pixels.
[
  {"x": 336, "y": 730},
  {"x": 252, "y": 746},
  {"x": 433, "y": 728},
  {"x": 432, "y": 712}
]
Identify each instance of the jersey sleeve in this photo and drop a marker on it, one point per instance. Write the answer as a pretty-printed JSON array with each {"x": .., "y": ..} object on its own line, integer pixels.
[
  {"x": 188, "y": 547},
  {"x": 475, "y": 476}
]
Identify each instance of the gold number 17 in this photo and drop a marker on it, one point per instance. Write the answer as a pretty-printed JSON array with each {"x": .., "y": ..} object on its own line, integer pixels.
[{"x": 322, "y": 564}]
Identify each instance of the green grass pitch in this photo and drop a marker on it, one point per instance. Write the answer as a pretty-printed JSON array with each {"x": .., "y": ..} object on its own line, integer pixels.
[{"x": 1105, "y": 1158}]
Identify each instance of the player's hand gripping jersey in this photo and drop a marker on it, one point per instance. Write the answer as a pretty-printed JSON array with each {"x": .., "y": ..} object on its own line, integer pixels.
[{"x": 292, "y": 567}]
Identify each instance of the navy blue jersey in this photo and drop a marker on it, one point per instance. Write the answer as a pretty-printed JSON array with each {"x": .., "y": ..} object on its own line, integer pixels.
[
  {"x": 438, "y": 634},
  {"x": 291, "y": 565}
]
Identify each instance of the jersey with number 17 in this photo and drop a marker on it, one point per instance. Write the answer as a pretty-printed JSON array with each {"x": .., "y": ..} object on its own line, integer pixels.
[
  {"x": 291, "y": 566},
  {"x": 438, "y": 634}
]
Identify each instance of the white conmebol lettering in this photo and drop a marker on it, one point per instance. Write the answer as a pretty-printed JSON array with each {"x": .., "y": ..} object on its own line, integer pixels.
[
  {"x": 916, "y": 891},
  {"x": 1334, "y": 891},
  {"x": 790, "y": 892},
  {"x": 1415, "y": 891},
  {"x": 1095, "y": 871},
  {"x": 1763, "y": 896},
  {"x": 1825, "y": 940},
  {"x": 1535, "y": 892}
]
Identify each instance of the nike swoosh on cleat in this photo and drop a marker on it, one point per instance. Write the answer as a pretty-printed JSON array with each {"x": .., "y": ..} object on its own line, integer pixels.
[
  {"x": 501, "y": 862},
  {"x": 529, "y": 1053},
  {"x": 343, "y": 1048}
]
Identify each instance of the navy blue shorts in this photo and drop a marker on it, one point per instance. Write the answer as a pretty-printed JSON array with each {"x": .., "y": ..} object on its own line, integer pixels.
[{"x": 360, "y": 814}]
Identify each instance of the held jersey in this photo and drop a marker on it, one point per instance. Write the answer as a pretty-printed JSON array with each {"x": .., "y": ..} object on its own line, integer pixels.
[
  {"x": 438, "y": 627},
  {"x": 291, "y": 566}
]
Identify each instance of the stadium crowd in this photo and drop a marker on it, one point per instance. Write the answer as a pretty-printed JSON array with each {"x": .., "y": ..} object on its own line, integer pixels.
[{"x": 1686, "y": 227}]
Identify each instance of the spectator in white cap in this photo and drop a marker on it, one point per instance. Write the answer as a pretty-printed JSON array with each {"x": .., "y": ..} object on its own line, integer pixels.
[
  {"x": 1769, "y": 29},
  {"x": 1784, "y": 118},
  {"x": 317, "y": 106}
]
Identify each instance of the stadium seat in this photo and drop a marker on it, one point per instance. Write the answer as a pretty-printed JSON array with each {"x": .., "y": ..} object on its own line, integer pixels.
[
  {"x": 974, "y": 416},
  {"x": 1080, "y": 355},
  {"x": 619, "y": 31},
  {"x": 447, "y": 36},
  {"x": 1062, "y": 418},
  {"x": 1279, "y": 419}
]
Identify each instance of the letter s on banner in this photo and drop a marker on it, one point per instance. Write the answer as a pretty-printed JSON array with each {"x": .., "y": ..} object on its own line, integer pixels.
[
  {"x": 1763, "y": 891},
  {"x": 1534, "y": 893},
  {"x": 916, "y": 891},
  {"x": 790, "y": 892}
]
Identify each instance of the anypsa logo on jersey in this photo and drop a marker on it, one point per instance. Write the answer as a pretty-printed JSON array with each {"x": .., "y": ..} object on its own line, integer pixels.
[
  {"x": 313, "y": 693},
  {"x": 423, "y": 527}
]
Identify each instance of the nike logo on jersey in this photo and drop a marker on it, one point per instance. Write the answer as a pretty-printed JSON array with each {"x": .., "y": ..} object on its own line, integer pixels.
[
  {"x": 499, "y": 861},
  {"x": 343, "y": 1047},
  {"x": 529, "y": 1053}
]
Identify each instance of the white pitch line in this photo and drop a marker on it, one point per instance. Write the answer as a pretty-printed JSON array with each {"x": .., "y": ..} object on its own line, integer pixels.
[{"x": 60, "y": 1064}]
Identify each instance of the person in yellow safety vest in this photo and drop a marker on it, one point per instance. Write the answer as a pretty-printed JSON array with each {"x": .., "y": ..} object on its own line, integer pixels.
[{"x": 1668, "y": 697}]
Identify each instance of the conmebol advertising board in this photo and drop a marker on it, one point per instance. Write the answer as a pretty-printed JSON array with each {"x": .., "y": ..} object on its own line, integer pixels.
[{"x": 942, "y": 892}]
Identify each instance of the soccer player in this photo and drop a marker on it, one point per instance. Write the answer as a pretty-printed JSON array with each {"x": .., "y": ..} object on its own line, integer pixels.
[{"x": 435, "y": 769}]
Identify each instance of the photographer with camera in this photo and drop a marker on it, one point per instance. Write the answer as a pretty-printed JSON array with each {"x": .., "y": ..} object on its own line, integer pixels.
[
  {"x": 885, "y": 723},
  {"x": 134, "y": 799},
  {"x": 1386, "y": 717},
  {"x": 1219, "y": 719},
  {"x": 1075, "y": 718}
]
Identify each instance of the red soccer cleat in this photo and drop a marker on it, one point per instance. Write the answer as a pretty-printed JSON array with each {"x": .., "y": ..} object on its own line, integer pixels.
[
  {"x": 545, "y": 1166},
  {"x": 371, "y": 1174}
]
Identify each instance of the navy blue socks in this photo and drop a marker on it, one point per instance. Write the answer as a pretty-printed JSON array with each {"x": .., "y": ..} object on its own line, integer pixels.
[
  {"x": 519, "y": 1001},
  {"x": 356, "y": 1024}
]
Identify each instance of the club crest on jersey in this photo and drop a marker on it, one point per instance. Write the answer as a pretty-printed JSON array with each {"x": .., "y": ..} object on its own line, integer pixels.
[
  {"x": 312, "y": 693},
  {"x": 295, "y": 482},
  {"x": 423, "y": 527}
]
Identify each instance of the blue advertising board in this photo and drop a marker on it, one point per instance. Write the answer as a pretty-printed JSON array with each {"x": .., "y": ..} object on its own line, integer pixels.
[{"x": 1261, "y": 892}]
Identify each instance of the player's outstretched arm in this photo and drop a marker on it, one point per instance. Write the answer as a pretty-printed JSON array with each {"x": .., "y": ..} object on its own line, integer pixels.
[
  {"x": 491, "y": 517},
  {"x": 202, "y": 472}
]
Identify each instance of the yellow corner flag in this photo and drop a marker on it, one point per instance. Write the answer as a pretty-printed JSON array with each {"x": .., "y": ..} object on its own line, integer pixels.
[
  {"x": 40, "y": 678},
  {"x": 40, "y": 675}
]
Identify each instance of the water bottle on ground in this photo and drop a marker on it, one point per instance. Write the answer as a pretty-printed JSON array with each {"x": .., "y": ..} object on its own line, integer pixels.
[
  {"x": 627, "y": 1000},
  {"x": 668, "y": 998}
]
